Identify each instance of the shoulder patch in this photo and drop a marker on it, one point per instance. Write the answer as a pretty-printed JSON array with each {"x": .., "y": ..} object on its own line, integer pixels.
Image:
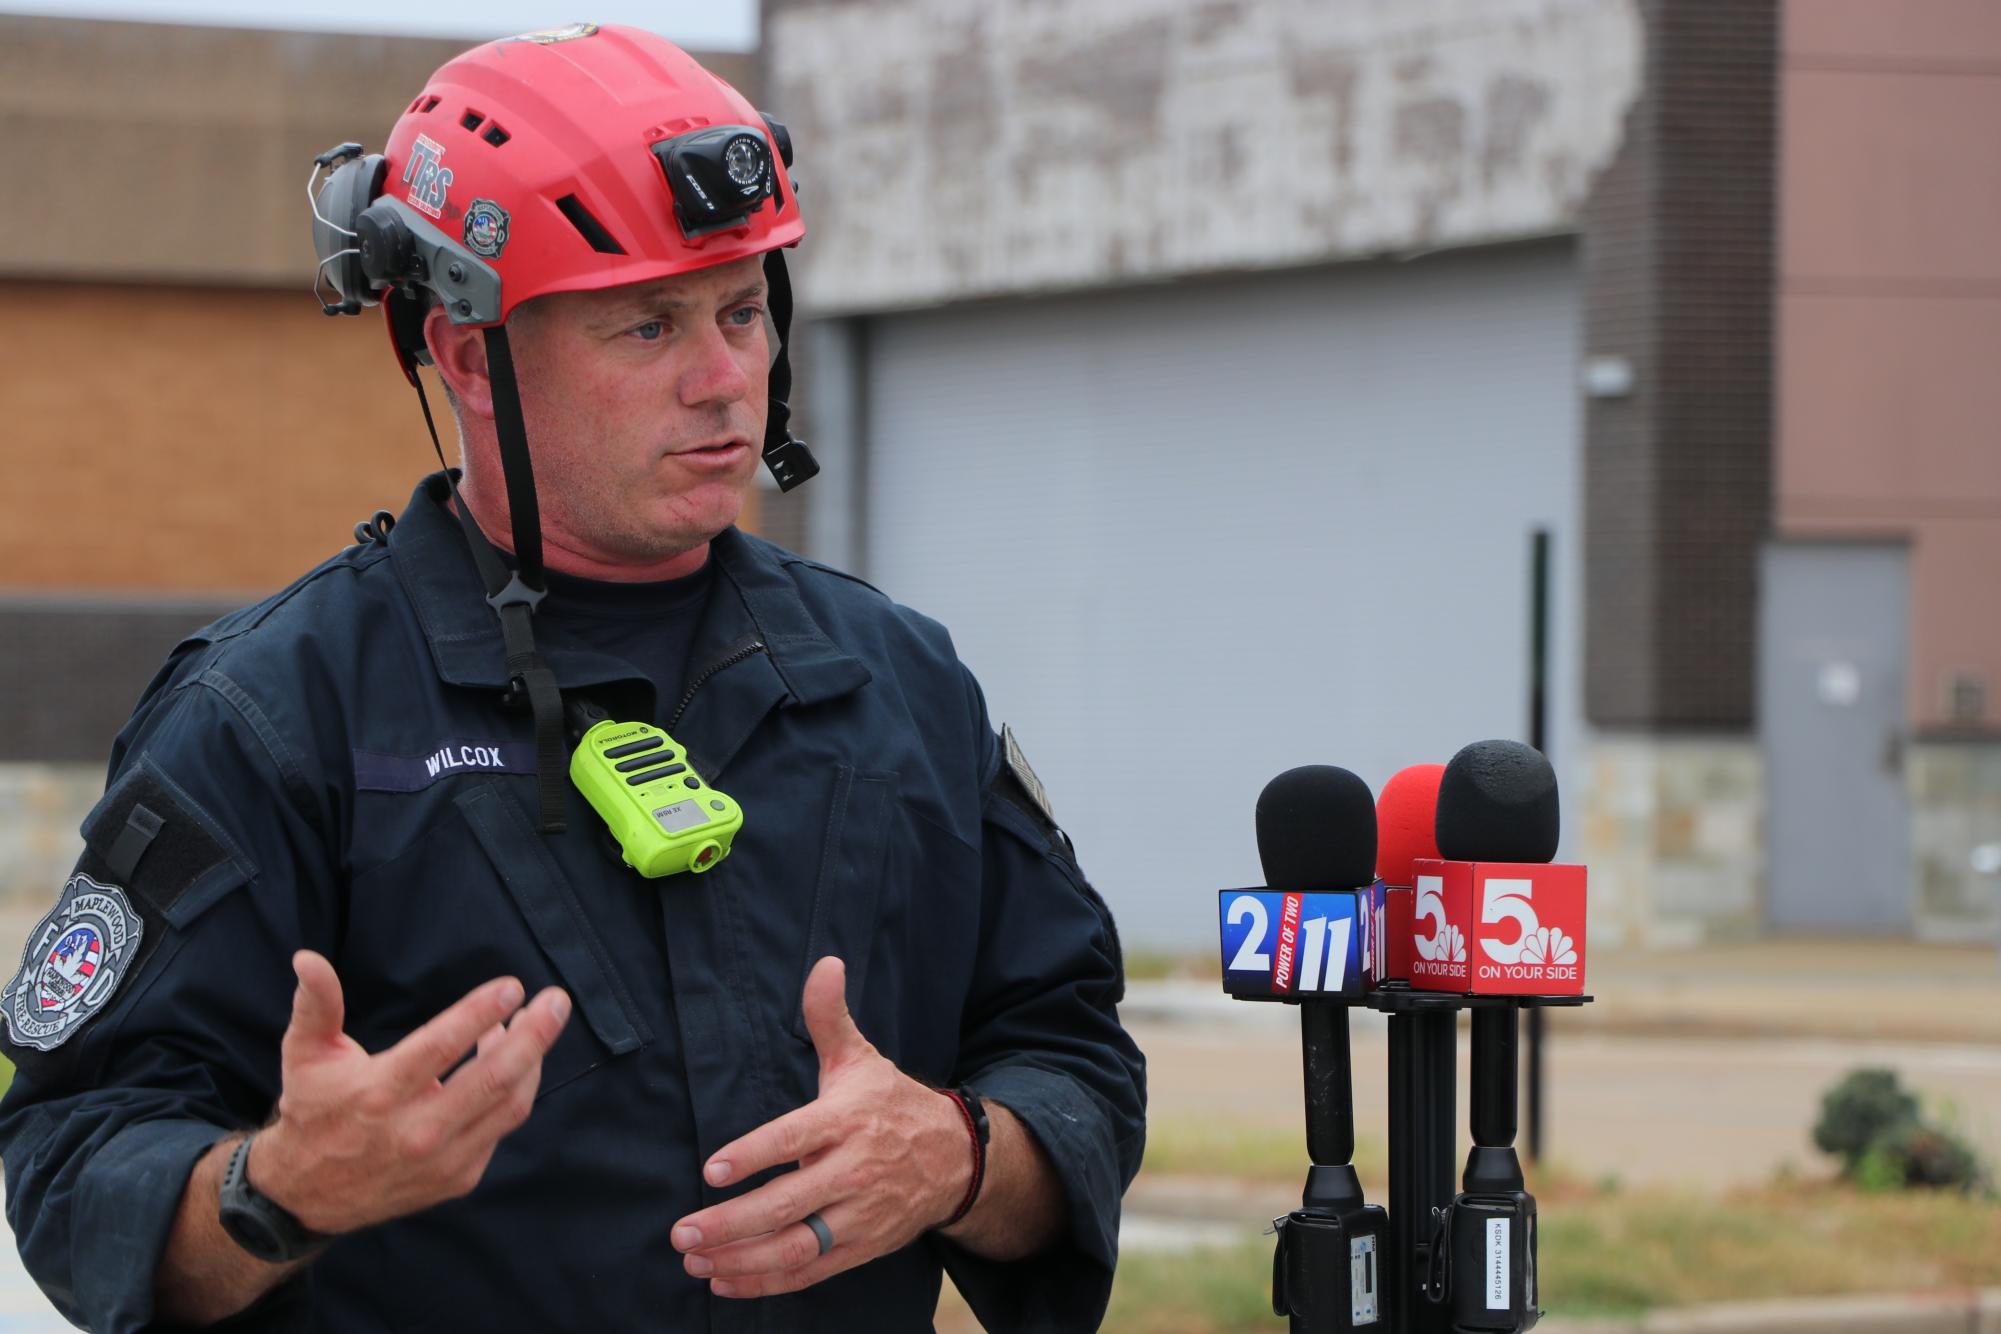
[
  {"x": 1017, "y": 764},
  {"x": 75, "y": 959}
]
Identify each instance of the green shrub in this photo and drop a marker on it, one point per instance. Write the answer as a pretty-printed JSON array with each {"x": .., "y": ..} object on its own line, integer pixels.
[
  {"x": 1861, "y": 1109},
  {"x": 1929, "y": 1156},
  {"x": 1874, "y": 1126}
]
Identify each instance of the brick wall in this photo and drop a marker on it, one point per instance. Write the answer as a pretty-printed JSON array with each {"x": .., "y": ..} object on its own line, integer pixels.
[{"x": 1679, "y": 278}]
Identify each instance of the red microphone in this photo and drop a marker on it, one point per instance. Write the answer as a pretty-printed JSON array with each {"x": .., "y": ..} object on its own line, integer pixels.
[{"x": 1406, "y": 815}]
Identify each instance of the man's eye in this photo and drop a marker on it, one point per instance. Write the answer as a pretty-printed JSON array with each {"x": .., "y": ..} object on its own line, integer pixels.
[
  {"x": 651, "y": 331},
  {"x": 743, "y": 316}
]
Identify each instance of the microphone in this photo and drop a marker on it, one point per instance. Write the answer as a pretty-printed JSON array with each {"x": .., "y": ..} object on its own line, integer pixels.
[
  {"x": 1316, "y": 928},
  {"x": 1406, "y": 815},
  {"x": 1497, "y": 825},
  {"x": 1312, "y": 937},
  {"x": 1491, "y": 915}
]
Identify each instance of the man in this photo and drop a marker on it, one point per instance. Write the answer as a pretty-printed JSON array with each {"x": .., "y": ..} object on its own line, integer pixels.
[{"x": 355, "y": 1017}]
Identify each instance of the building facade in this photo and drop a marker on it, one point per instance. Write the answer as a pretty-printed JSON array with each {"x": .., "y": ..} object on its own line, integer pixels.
[{"x": 1207, "y": 368}]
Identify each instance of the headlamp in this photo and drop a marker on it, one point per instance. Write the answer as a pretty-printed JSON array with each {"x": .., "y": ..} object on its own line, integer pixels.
[{"x": 718, "y": 176}]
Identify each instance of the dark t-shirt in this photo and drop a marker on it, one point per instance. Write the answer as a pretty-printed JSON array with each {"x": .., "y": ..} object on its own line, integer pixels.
[{"x": 649, "y": 625}]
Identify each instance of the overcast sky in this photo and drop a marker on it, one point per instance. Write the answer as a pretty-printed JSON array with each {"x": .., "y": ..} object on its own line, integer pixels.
[{"x": 716, "y": 25}]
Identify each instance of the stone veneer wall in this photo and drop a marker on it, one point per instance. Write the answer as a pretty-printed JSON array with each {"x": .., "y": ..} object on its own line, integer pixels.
[
  {"x": 1955, "y": 792},
  {"x": 1673, "y": 831},
  {"x": 41, "y": 808}
]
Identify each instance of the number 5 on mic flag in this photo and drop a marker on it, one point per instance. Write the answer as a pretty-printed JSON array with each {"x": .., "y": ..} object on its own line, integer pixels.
[{"x": 1280, "y": 946}]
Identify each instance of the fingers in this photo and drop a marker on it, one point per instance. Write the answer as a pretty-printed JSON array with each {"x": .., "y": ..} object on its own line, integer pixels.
[
  {"x": 491, "y": 1081},
  {"x": 317, "y": 1009},
  {"x": 506, "y": 1115},
  {"x": 786, "y": 1199},
  {"x": 426, "y": 1054},
  {"x": 824, "y": 1005},
  {"x": 786, "y": 1140},
  {"x": 787, "y": 1260}
]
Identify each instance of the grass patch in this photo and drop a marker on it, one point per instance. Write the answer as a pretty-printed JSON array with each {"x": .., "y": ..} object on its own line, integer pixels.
[
  {"x": 1153, "y": 966},
  {"x": 1209, "y": 1147},
  {"x": 1627, "y": 1251},
  {"x": 6, "y": 1075}
]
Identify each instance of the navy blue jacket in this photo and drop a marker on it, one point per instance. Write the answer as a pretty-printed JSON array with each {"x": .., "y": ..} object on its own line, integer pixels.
[{"x": 333, "y": 769}]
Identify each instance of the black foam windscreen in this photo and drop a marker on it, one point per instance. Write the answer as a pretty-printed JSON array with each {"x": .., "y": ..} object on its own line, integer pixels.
[
  {"x": 1317, "y": 830},
  {"x": 1497, "y": 803}
]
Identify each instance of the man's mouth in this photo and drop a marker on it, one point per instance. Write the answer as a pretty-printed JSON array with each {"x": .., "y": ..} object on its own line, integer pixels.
[{"x": 717, "y": 453}]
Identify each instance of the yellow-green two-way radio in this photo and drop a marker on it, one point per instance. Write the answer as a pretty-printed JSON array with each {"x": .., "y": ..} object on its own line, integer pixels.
[{"x": 664, "y": 818}]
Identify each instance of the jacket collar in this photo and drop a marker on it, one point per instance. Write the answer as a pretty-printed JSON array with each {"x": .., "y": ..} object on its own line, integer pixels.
[{"x": 754, "y": 598}]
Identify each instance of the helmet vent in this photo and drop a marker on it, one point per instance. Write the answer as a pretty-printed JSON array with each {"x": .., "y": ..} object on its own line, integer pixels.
[
  {"x": 589, "y": 227},
  {"x": 472, "y": 119},
  {"x": 428, "y": 104},
  {"x": 495, "y": 135}
]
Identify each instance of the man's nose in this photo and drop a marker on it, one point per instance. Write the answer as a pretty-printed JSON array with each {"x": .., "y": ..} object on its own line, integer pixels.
[{"x": 714, "y": 374}]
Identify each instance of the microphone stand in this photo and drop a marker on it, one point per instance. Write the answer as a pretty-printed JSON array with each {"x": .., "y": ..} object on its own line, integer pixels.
[
  {"x": 1424, "y": 1093},
  {"x": 1327, "y": 1274}
]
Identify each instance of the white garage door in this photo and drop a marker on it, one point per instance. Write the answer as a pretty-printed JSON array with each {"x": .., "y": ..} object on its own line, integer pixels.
[{"x": 1191, "y": 536}]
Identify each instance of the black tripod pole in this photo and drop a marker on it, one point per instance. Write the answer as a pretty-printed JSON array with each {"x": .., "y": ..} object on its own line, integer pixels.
[
  {"x": 1424, "y": 1077},
  {"x": 1539, "y": 738}
]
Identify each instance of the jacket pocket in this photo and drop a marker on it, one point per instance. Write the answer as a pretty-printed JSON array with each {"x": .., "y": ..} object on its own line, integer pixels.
[
  {"x": 847, "y": 890},
  {"x": 555, "y": 915}
]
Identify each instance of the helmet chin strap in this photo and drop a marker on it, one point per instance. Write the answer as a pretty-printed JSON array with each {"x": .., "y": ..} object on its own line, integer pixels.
[
  {"x": 790, "y": 461},
  {"x": 514, "y": 594}
]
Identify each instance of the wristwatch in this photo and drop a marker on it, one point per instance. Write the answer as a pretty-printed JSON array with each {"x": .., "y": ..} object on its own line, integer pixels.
[{"x": 257, "y": 1223}]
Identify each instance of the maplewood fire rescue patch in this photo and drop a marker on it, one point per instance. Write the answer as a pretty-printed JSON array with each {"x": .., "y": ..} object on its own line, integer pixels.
[{"x": 75, "y": 959}]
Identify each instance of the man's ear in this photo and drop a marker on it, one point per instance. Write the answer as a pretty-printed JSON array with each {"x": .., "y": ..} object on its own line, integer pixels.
[{"x": 459, "y": 353}]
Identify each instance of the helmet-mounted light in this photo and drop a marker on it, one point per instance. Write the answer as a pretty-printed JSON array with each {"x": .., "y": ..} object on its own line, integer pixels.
[{"x": 718, "y": 176}]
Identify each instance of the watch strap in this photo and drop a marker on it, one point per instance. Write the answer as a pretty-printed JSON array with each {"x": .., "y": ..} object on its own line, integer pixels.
[{"x": 256, "y": 1222}]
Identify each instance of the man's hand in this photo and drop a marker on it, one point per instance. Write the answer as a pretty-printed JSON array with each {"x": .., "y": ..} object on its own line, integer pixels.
[
  {"x": 881, "y": 1158},
  {"x": 360, "y": 1139}
]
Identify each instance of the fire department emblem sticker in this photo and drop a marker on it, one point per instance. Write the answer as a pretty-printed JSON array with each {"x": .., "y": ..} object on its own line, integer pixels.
[
  {"x": 486, "y": 228},
  {"x": 75, "y": 960}
]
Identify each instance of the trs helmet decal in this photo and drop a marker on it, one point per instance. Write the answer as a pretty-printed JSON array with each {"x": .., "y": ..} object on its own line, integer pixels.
[{"x": 427, "y": 179}]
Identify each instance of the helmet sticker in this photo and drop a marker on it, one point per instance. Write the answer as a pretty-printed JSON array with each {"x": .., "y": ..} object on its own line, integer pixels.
[
  {"x": 73, "y": 963},
  {"x": 486, "y": 228},
  {"x": 427, "y": 179},
  {"x": 569, "y": 32}
]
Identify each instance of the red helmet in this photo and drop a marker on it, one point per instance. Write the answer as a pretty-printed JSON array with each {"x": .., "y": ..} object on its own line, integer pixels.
[{"x": 566, "y": 160}]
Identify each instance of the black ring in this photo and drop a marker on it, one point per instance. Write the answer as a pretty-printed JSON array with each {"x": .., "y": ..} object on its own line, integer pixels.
[{"x": 820, "y": 1230}]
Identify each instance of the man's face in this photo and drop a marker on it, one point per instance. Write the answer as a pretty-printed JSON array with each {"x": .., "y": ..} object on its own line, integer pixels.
[{"x": 645, "y": 409}]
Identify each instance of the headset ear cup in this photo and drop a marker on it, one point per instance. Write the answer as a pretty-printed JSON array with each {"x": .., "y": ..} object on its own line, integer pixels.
[{"x": 349, "y": 190}]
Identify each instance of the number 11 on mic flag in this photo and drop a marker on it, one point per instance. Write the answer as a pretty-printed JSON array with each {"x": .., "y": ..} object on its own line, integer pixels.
[{"x": 1285, "y": 946}]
